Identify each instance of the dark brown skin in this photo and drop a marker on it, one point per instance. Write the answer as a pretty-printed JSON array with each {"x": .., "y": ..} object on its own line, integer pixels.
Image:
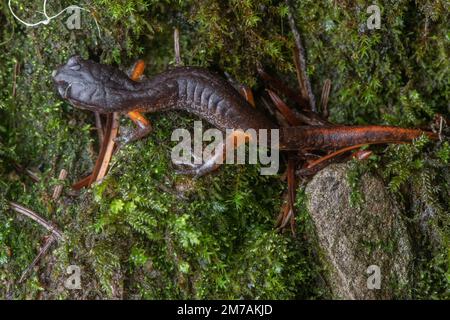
[
  {"x": 336, "y": 137},
  {"x": 104, "y": 89},
  {"x": 96, "y": 87},
  {"x": 101, "y": 88}
]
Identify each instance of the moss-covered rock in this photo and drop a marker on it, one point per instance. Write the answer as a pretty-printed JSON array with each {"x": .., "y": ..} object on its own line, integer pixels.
[{"x": 353, "y": 237}]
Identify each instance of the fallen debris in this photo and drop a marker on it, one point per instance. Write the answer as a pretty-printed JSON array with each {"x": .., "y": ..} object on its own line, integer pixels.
[
  {"x": 58, "y": 189},
  {"x": 33, "y": 215}
]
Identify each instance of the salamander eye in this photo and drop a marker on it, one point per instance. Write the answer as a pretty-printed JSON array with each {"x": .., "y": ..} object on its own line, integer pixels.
[{"x": 74, "y": 63}]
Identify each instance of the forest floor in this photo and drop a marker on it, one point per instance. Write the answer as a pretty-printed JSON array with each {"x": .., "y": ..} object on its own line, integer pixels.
[{"x": 147, "y": 233}]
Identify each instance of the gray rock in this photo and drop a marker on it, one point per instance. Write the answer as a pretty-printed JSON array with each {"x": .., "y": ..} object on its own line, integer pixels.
[{"x": 354, "y": 237}]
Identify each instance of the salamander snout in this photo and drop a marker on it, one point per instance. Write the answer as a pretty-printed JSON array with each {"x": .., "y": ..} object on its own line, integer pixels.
[
  {"x": 89, "y": 85},
  {"x": 73, "y": 81},
  {"x": 61, "y": 81}
]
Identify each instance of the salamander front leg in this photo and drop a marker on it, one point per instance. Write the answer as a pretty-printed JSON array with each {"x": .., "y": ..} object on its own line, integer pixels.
[{"x": 144, "y": 126}]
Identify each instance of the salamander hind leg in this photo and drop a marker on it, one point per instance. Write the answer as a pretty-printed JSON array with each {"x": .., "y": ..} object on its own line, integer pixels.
[
  {"x": 235, "y": 139},
  {"x": 199, "y": 170},
  {"x": 199, "y": 167}
]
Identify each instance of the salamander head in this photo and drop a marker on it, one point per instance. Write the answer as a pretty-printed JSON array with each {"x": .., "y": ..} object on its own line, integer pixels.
[{"x": 90, "y": 85}]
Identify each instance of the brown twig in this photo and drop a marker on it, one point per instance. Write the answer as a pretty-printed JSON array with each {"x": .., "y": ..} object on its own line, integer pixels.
[
  {"x": 16, "y": 72},
  {"x": 55, "y": 234},
  {"x": 289, "y": 212},
  {"x": 288, "y": 114},
  {"x": 325, "y": 97},
  {"x": 295, "y": 118},
  {"x": 284, "y": 209},
  {"x": 300, "y": 61},
  {"x": 48, "y": 242},
  {"x": 99, "y": 125},
  {"x": 333, "y": 154},
  {"x": 33, "y": 215},
  {"x": 106, "y": 151},
  {"x": 82, "y": 183},
  {"x": 58, "y": 189},
  {"x": 176, "y": 40},
  {"x": 306, "y": 116},
  {"x": 300, "y": 76},
  {"x": 34, "y": 176},
  {"x": 109, "y": 146},
  {"x": 281, "y": 87}
]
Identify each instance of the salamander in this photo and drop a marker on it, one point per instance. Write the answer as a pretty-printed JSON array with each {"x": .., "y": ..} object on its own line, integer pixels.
[{"x": 102, "y": 88}]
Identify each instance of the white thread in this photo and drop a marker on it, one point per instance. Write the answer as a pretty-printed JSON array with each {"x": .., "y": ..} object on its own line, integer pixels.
[{"x": 47, "y": 18}]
